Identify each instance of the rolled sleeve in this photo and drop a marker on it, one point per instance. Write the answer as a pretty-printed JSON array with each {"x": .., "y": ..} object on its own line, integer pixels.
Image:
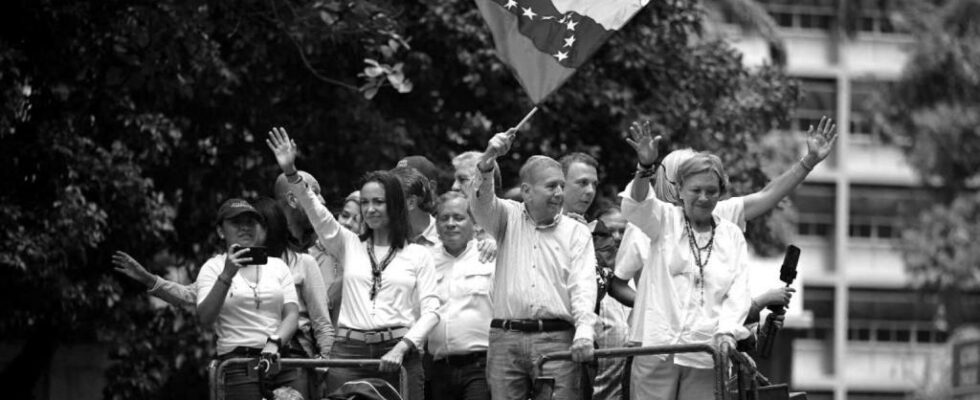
[
  {"x": 206, "y": 278},
  {"x": 288, "y": 288},
  {"x": 487, "y": 208},
  {"x": 648, "y": 215},
  {"x": 583, "y": 289}
]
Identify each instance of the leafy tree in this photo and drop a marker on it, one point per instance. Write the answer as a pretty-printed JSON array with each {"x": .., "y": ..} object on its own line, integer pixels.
[
  {"x": 124, "y": 125},
  {"x": 932, "y": 113}
]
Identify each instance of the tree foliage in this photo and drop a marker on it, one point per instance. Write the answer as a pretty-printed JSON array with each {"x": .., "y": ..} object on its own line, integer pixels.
[
  {"x": 932, "y": 113},
  {"x": 125, "y": 124}
]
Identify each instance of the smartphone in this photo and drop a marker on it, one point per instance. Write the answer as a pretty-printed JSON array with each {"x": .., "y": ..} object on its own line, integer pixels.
[{"x": 258, "y": 254}]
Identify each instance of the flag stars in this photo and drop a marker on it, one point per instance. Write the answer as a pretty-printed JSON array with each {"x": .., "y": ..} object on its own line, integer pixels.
[
  {"x": 510, "y": 4},
  {"x": 571, "y": 24},
  {"x": 529, "y": 13},
  {"x": 569, "y": 41},
  {"x": 561, "y": 56}
]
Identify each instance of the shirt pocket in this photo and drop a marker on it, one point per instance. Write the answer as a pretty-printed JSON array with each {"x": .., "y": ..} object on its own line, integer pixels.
[{"x": 477, "y": 282}]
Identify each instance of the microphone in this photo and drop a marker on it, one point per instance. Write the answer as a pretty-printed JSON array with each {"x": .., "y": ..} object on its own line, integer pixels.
[{"x": 787, "y": 274}]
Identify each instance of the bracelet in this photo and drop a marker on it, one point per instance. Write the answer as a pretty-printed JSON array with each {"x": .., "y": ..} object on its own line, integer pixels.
[
  {"x": 803, "y": 164},
  {"x": 642, "y": 167},
  {"x": 224, "y": 280},
  {"x": 645, "y": 173}
]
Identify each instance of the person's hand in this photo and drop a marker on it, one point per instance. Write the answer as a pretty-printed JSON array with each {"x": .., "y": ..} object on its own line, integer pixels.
[
  {"x": 392, "y": 360},
  {"x": 499, "y": 144},
  {"x": 236, "y": 259},
  {"x": 488, "y": 250},
  {"x": 128, "y": 266},
  {"x": 778, "y": 296},
  {"x": 778, "y": 320},
  {"x": 582, "y": 350},
  {"x": 269, "y": 359},
  {"x": 724, "y": 343},
  {"x": 642, "y": 140},
  {"x": 284, "y": 149},
  {"x": 820, "y": 141}
]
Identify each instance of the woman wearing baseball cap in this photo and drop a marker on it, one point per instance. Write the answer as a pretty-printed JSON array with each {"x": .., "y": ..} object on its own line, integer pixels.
[{"x": 249, "y": 298}]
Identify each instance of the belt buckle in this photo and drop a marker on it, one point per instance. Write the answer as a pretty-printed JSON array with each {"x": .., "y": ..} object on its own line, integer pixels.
[{"x": 371, "y": 337}]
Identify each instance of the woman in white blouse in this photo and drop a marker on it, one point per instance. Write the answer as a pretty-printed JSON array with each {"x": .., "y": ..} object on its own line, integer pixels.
[
  {"x": 694, "y": 289},
  {"x": 389, "y": 299},
  {"x": 252, "y": 306}
]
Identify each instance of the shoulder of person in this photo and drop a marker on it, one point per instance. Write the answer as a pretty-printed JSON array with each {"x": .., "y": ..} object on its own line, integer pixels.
[
  {"x": 277, "y": 264},
  {"x": 216, "y": 262},
  {"x": 728, "y": 228},
  {"x": 416, "y": 250}
]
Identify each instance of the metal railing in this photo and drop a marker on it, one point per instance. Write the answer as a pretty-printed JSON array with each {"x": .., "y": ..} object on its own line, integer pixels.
[{"x": 216, "y": 371}]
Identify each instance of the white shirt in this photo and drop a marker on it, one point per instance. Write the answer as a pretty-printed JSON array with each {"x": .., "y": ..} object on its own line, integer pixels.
[
  {"x": 669, "y": 302},
  {"x": 634, "y": 251},
  {"x": 240, "y": 323},
  {"x": 543, "y": 272},
  {"x": 464, "y": 321},
  {"x": 430, "y": 236},
  {"x": 408, "y": 284}
]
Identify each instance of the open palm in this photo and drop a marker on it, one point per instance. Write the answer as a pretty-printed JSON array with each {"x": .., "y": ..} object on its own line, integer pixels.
[
  {"x": 283, "y": 148},
  {"x": 642, "y": 140},
  {"x": 820, "y": 141}
]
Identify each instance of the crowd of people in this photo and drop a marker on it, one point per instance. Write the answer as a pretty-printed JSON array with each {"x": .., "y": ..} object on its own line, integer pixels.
[{"x": 464, "y": 289}]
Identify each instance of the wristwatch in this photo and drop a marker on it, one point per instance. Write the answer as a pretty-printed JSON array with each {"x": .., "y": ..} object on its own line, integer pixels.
[{"x": 275, "y": 339}]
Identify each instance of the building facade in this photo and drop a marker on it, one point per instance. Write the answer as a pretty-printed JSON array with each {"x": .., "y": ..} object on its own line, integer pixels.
[{"x": 862, "y": 332}]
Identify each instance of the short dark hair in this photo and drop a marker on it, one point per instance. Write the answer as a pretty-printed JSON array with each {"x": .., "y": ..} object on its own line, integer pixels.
[
  {"x": 415, "y": 184},
  {"x": 450, "y": 196},
  {"x": 577, "y": 157},
  {"x": 398, "y": 226}
]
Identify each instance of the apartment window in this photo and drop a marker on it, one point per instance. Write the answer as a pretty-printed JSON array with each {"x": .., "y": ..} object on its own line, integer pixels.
[
  {"x": 819, "y": 99},
  {"x": 815, "y": 15},
  {"x": 875, "y": 16},
  {"x": 864, "y": 97}
]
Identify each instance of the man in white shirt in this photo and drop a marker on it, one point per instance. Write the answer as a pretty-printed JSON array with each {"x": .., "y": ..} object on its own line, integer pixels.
[
  {"x": 544, "y": 284},
  {"x": 582, "y": 179},
  {"x": 459, "y": 342}
]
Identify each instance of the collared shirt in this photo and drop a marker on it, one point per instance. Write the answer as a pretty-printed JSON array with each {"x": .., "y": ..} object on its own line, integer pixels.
[
  {"x": 634, "y": 252},
  {"x": 429, "y": 237},
  {"x": 543, "y": 272},
  {"x": 464, "y": 320},
  {"x": 669, "y": 303},
  {"x": 408, "y": 284}
]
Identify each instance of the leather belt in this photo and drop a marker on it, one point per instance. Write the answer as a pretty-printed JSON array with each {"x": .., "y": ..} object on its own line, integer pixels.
[
  {"x": 532, "y": 325},
  {"x": 371, "y": 337},
  {"x": 462, "y": 360}
]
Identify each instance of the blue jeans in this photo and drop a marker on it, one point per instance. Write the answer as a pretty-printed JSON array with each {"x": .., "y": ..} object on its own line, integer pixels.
[
  {"x": 510, "y": 369},
  {"x": 468, "y": 382},
  {"x": 243, "y": 383},
  {"x": 348, "y": 349}
]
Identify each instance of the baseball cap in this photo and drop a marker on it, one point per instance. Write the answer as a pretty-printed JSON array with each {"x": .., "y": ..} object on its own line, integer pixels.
[{"x": 232, "y": 208}]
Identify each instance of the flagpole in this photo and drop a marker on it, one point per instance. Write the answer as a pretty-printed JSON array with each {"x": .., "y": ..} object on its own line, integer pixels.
[{"x": 526, "y": 117}]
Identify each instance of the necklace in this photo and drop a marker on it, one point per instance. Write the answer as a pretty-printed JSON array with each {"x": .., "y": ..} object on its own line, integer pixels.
[
  {"x": 376, "y": 268},
  {"x": 696, "y": 252},
  {"x": 255, "y": 288}
]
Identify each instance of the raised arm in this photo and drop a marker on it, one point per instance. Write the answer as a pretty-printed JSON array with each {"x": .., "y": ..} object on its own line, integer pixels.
[
  {"x": 642, "y": 140},
  {"x": 819, "y": 143},
  {"x": 486, "y": 207},
  {"x": 329, "y": 231},
  {"x": 171, "y": 292}
]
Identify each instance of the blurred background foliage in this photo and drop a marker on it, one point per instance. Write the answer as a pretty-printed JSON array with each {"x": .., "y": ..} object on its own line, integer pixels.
[{"x": 124, "y": 124}]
